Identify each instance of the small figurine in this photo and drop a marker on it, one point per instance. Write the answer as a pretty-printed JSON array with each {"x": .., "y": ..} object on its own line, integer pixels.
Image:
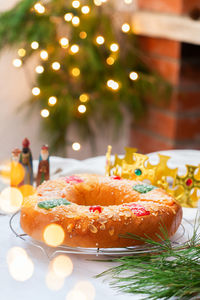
[
  {"x": 17, "y": 170},
  {"x": 43, "y": 167},
  {"x": 27, "y": 162}
]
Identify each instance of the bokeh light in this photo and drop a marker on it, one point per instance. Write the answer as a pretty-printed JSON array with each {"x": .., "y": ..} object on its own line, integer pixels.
[
  {"x": 98, "y": 2},
  {"x": 34, "y": 45},
  {"x": 133, "y": 76},
  {"x": 53, "y": 235},
  {"x": 64, "y": 42},
  {"x": 113, "y": 84},
  {"x": 36, "y": 91},
  {"x": 128, "y": 1},
  {"x": 17, "y": 62},
  {"x": 75, "y": 21},
  {"x": 10, "y": 200},
  {"x": 74, "y": 49},
  {"x": 16, "y": 173},
  {"x": 52, "y": 101},
  {"x": 21, "y": 52},
  {"x": 85, "y": 9},
  {"x": 84, "y": 97},
  {"x": 76, "y": 295},
  {"x": 87, "y": 288},
  {"x": 62, "y": 266},
  {"x": 55, "y": 66},
  {"x": 68, "y": 17},
  {"x": 110, "y": 60},
  {"x": 75, "y": 4},
  {"x": 82, "y": 108},
  {"x": 39, "y": 69},
  {"x": 39, "y": 8},
  {"x": 27, "y": 190},
  {"x": 76, "y": 146},
  {"x": 44, "y": 55},
  {"x": 100, "y": 40},
  {"x": 20, "y": 266},
  {"x": 83, "y": 35},
  {"x": 54, "y": 282},
  {"x": 114, "y": 47},
  {"x": 44, "y": 113},
  {"x": 76, "y": 72},
  {"x": 125, "y": 27}
]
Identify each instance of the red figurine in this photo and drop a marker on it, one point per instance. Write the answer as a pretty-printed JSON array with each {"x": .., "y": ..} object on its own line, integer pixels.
[{"x": 43, "y": 167}]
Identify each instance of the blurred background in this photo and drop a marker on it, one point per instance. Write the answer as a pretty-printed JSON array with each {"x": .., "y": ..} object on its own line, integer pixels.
[{"x": 167, "y": 35}]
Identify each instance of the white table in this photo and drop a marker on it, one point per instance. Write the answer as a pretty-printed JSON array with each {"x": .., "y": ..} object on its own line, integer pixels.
[{"x": 35, "y": 287}]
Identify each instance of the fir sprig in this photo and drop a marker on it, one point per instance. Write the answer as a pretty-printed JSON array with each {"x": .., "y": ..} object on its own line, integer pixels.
[{"x": 170, "y": 271}]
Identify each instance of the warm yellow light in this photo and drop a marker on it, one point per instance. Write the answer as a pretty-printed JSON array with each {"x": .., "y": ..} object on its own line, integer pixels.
[
  {"x": 16, "y": 173},
  {"x": 17, "y": 63},
  {"x": 76, "y": 146},
  {"x": 74, "y": 49},
  {"x": 83, "y": 35},
  {"x": 64, "y": 42},
  {"x": 34, "y": 45},
  {"x": 75, "y": 21},
  {"x": 113, "y": 84},
  {"x": 114, "y": 47},
  {"x": 21, "y": 52},
  {"x": 10, "y": 200},
  {"x": 52, "y": 101},
  {"x": 97, "y": 2},
  {"x": 62, "y": 266},
  {"x": 54, "y": 235},
  {"x": 54, "y": 282},
  {"x": 100, "y": 40},
  {"x": 128, "y": 1},
  {"x": 36, "y": 91},
  {"x": 27, "y": 190},
  {"x": 82, "y": 108},
  {"x": 20, "y": 266},
  {"x": 125, "y": 27},
  {"x": 39, "y": 8},
  {"x": 110, "y": 60},
  {"x": 75, "y": 3},
  {"x": 55, "y": 66},
  {"x": 76, "y": 72},
  {"x": 44, "y": 113},
  {"x": 68, "y": 17},
  {"x": 44, "y": 55},
  {"x": 84, "y": 98},
  {"x": 85, "y": 9},
  {"x": 133, "y": 76},
  {"x": 39, "y": 69},
  {"x": 87, "y": 288}
]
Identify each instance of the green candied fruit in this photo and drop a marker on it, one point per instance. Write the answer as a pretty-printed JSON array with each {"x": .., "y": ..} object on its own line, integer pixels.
[
  {"x": 48, "y": 204},
  {"x": 143, "y": 188}
]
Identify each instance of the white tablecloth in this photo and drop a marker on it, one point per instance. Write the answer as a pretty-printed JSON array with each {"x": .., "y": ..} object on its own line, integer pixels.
[{"x": 35, "y": 287}]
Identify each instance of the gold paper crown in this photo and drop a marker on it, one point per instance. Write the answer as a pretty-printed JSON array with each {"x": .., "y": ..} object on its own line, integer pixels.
[{"x": 136, "y": 166}]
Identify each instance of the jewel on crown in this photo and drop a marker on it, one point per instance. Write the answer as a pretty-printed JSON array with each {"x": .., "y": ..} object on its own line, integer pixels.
[{"x": 137, "y": 166}]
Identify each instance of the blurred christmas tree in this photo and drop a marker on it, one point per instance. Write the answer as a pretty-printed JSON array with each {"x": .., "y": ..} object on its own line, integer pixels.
[{"x": 83, "y": 74}]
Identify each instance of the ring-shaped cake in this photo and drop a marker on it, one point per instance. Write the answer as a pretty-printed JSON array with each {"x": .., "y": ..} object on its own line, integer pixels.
[{"x": 97, "y": 211}]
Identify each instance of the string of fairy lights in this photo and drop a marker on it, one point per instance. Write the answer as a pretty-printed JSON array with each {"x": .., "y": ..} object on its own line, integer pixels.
[{"x": 73, "y": 49}]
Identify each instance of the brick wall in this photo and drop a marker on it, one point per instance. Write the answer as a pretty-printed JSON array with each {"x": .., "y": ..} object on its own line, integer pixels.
[{"x": 176, "y": 123}]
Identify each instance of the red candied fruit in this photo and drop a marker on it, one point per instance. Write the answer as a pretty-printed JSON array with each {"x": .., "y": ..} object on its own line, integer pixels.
[
  {"x": 189, "y": 182},
  {"x": 94, "y": 208},
  {"x": 116, "y": 177},
  {"x": 137, "y": 209},
  {"x": 75, "y": 179}
]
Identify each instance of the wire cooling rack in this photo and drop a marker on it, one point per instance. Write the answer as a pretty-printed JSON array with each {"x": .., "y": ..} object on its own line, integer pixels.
[{"x": 181, "y": 236}]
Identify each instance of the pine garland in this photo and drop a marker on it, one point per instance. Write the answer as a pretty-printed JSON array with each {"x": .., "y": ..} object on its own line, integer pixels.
[
  {"x": 170, "y": 272},
  {"x": 23, "y": 24}
]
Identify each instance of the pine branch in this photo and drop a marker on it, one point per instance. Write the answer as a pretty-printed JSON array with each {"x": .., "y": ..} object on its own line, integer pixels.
[{"x": 162, "y": 274}]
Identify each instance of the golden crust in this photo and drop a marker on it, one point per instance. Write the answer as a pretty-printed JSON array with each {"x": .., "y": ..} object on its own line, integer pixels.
[{"x": 84, "y": 228}]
